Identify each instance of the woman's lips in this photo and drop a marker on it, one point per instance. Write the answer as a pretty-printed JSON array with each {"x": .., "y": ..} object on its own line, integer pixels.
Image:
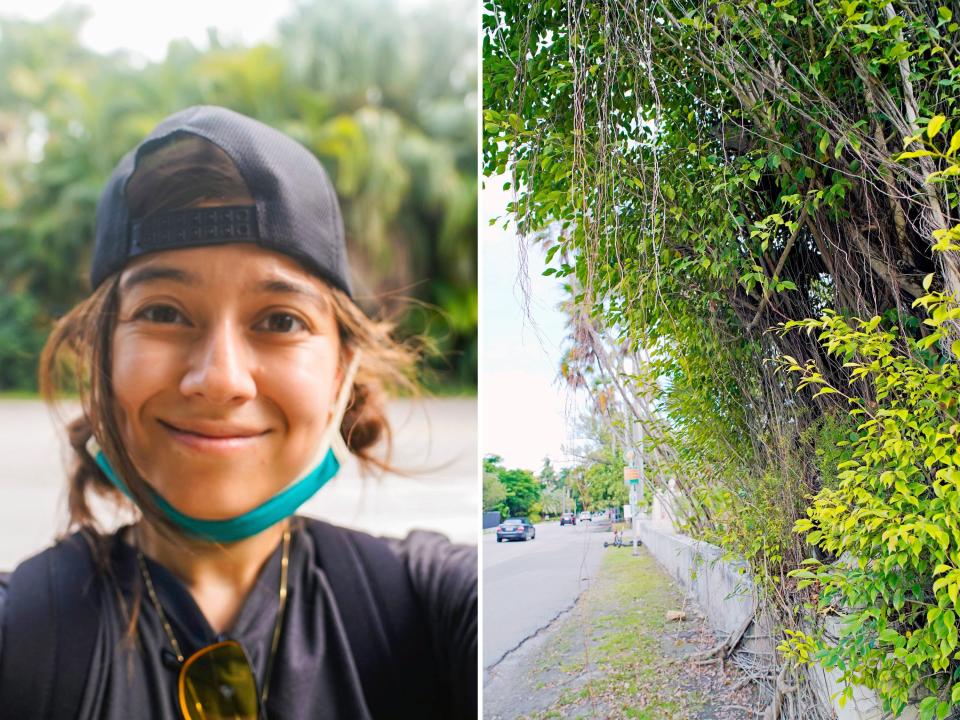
[{"x": 212, "y": 438}]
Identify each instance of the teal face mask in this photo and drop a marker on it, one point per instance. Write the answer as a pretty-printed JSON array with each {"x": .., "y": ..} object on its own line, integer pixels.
[{"x": 282, "y": 505}]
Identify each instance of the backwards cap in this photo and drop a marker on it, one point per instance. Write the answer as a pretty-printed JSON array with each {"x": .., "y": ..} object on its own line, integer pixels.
[{"x": 295, "y": 210}]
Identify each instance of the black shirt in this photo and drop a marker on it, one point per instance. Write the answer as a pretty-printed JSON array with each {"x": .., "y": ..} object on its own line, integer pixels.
[{"x": 315, "y": 671}]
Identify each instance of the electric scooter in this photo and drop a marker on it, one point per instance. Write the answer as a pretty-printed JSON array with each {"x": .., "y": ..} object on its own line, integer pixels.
[{"x": 617, "y": 539}]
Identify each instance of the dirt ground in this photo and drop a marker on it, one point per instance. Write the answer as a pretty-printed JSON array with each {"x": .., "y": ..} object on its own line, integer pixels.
[{"x": 617, "y": 655}]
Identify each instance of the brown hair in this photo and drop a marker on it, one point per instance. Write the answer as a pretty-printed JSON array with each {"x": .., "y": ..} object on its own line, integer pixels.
[{"x": 192, "y": 172}]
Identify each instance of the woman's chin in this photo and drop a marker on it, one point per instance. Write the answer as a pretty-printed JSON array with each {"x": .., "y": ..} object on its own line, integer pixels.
[{"x": 212, "y": 500}]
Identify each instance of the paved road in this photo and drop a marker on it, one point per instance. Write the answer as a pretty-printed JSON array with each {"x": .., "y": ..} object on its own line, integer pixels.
[
  {"x": 527, "y": 584},
  {"x": 435, "y": 441}
]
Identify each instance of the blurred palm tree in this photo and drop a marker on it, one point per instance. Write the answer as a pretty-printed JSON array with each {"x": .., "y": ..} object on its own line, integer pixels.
[{"x": 385, "y": 97}]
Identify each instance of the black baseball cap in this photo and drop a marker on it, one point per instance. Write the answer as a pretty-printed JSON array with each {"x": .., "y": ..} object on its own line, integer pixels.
[{"x": 295, "y": 210}]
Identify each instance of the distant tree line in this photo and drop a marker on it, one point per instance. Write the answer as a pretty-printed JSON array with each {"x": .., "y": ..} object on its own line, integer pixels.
[{"x": 594, "y": 484}]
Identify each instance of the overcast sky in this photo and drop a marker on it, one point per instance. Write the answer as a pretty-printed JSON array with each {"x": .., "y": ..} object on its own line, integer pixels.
[
  {"x": 145, "y": 28},
  {"x": 523, "y": 409}
]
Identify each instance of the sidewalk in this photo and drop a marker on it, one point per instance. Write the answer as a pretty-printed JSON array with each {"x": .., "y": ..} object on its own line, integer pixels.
[{"x": 616, "y": 655}]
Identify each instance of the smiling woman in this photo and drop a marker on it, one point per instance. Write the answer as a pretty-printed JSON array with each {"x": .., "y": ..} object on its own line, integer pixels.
[
  {"x": 224, "y": 372},
  {"x": 226, "y": 364}
]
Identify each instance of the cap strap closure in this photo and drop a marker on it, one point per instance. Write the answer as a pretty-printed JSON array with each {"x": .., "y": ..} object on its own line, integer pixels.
[{"x": 194, "y": 227}]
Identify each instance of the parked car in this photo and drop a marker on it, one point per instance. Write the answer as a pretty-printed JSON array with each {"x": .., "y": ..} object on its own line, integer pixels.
[
  {"x": 568, "y": 518},
  {"x": 585, "y": 516},
  {"x": 600, "y": 520},
  {"x": 516, "y": 529}
]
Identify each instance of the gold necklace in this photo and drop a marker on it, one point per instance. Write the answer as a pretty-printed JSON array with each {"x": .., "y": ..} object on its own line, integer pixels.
[{"x": 278, "y": 623}]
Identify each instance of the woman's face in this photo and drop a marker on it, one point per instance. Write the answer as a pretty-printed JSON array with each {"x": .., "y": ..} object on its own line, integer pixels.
[{"x": 225, "y": 369}]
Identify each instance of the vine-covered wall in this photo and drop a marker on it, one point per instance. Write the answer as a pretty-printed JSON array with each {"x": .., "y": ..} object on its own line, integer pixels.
[{"x": 731, "y": 191}]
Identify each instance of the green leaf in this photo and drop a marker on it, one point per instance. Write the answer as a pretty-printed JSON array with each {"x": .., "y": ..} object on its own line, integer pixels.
[
  {"x": 944, "y": 13},
  {"x": 889, "y": 636}
]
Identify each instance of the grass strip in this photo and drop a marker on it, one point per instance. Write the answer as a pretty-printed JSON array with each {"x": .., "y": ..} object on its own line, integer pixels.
[{"x": 614, "y": 655}]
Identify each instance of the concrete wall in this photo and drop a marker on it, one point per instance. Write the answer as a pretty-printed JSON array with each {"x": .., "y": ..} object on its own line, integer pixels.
[
  {"x": 725, "y": 592},
  {"x": 723, "y": 589}
]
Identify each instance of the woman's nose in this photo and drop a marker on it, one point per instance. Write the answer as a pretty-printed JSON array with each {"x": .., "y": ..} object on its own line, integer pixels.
[{"x": 219, "y": 368}]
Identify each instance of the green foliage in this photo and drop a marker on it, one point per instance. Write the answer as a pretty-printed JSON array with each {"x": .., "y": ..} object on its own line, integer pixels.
[
  {"x": 534, "y": 512},
  {"x": 831, "y": 437},
  {"x": 749, "y": 523},
  {"x": 22, "y": 334},
  {"x": 523, "y": 493},
  {"x": 494, "y": 493},
  {"x": 551, "y": 501},
  {"x": 548, "y": 476},
  {"x": 605, "y": 483},
  {"x": 383, "y": 96},
  {"x": 492, "y": 464},
  {"x": 893, "y": 520},
  {"x": 522, "y": 490}
]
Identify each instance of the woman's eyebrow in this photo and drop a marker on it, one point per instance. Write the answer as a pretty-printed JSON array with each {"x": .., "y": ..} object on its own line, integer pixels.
[
  {"x": 158, "y": 272},
  {"x": 291, "y": 287}
]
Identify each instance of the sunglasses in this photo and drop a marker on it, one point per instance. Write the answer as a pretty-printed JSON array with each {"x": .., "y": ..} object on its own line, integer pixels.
[{"x": 217, "y": 683}]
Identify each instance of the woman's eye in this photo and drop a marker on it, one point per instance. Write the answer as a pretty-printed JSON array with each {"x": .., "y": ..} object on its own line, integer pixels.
[
  {"x": 163, "y": 314},
  {"x": 282, "y": 323}
]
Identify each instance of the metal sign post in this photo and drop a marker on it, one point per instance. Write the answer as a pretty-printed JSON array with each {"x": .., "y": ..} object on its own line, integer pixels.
[{"x": 641, "y": 481}]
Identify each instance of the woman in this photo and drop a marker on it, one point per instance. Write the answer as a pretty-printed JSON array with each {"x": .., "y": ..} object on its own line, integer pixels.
[{"x": 223, "y": 371}]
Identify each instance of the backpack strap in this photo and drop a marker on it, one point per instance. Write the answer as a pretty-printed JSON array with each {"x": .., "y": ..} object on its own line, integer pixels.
[
  {"x": 50, "y": 627},
  {"x": 384, "y": 622}
]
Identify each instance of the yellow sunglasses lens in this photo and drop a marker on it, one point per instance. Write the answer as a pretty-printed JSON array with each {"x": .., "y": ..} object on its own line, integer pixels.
[{"x": 217, "y": 683}]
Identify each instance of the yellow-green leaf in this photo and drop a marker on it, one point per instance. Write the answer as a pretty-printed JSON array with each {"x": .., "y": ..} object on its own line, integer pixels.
[
  {"x": 933, "y": 127},
  {"x": 954, "y": 144},
  {"x": 915, "y": 154}
]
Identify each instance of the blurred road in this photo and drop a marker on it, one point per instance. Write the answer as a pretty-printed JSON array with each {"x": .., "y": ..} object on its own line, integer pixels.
[
  {"x": 435, "y": 441},
  {"x": 528, "y": 584}
]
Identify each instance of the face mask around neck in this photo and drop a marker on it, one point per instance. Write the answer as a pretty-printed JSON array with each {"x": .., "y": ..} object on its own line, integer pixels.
[{"x": 331, "y": 453}]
